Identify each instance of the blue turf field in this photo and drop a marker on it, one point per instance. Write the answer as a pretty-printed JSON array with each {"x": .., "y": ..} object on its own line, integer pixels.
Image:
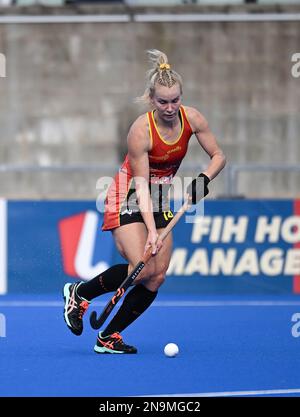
[{"x": 242, "y": 346}]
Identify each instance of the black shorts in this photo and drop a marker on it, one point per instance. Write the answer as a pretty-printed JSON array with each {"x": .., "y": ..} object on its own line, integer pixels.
[{"x": 161, "y": 218}]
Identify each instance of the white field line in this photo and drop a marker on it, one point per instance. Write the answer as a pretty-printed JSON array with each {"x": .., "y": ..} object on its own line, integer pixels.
[{"x": 233, "y": 393}]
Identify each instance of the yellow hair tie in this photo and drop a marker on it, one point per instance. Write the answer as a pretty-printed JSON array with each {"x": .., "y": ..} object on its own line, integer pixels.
[{"x": 164, "y": 66}]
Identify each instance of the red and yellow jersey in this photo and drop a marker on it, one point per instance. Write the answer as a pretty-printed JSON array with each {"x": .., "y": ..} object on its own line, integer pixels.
[
  {"x": 164, "y": 161},
  {"x": 165, "y": 157}
]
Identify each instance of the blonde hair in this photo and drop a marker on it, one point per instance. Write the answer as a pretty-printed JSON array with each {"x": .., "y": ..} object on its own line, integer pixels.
[{"x": 161, "y": 73}]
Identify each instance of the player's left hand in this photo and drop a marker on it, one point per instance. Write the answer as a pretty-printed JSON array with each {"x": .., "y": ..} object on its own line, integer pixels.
[{"x": 198, "y": 188}]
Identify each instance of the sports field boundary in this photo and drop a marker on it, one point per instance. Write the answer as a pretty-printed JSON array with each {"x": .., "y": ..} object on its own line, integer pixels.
[{"x": 263, "y": 303}]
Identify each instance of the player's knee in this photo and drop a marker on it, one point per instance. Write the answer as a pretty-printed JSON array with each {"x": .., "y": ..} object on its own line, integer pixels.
[
  {"x": 145, "y": 274},
  {"x": 161, "y": 268},
  {"x": 149, "y": 269},
  {"x": 157, "y": 280}
]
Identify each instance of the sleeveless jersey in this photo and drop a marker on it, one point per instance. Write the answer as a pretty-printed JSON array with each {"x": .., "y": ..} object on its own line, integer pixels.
[{"x": 164, "y": 161}]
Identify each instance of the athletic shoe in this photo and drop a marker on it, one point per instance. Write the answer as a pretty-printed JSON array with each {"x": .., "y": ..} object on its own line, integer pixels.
[
  {"x": 75, "y": 307},
  {"x": 112, "y": 344}
]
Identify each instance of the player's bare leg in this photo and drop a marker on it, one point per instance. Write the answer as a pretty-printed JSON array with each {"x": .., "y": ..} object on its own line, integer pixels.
[{"x": 144, "y": 292}]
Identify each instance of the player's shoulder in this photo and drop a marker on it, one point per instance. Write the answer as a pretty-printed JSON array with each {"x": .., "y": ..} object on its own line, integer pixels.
[
  {"x": 138, "y": 134},
  {"x": 140, "y": 125},
  {"x": 196, "y": 119},
  {"x": 193, "y": 113}
]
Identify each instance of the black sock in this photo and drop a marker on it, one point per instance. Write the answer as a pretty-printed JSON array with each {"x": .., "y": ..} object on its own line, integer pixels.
[
  {"x": 134, "y": 304},
  {"x": 107, "y": 281}
]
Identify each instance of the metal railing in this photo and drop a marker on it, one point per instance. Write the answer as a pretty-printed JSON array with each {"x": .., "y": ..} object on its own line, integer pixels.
[
  {"x": 103, "y": 167},
  {"x": 231, "y": 172}
]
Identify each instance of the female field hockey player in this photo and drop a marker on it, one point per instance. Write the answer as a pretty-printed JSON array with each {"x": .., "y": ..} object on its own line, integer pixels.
[{"x": 136, "y": 205}]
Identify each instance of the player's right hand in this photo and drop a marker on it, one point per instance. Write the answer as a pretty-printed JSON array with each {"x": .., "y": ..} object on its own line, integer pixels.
[{"x": 153, "y": 241}]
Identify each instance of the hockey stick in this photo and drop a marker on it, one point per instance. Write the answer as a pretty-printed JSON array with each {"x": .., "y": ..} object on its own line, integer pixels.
[{"x": 96, "y": 323}]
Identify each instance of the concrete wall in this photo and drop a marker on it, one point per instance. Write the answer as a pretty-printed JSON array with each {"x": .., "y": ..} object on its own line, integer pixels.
[{"x": 69, "y": 91}]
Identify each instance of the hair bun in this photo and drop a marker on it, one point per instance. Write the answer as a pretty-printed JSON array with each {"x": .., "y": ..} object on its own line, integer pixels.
[{"x": 164, "y": 66}]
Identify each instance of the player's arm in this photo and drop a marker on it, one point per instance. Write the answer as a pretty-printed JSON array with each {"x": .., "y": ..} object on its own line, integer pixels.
[
  {"x": 138, "y": 147},
  {"x": 209, "y": 143}
]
